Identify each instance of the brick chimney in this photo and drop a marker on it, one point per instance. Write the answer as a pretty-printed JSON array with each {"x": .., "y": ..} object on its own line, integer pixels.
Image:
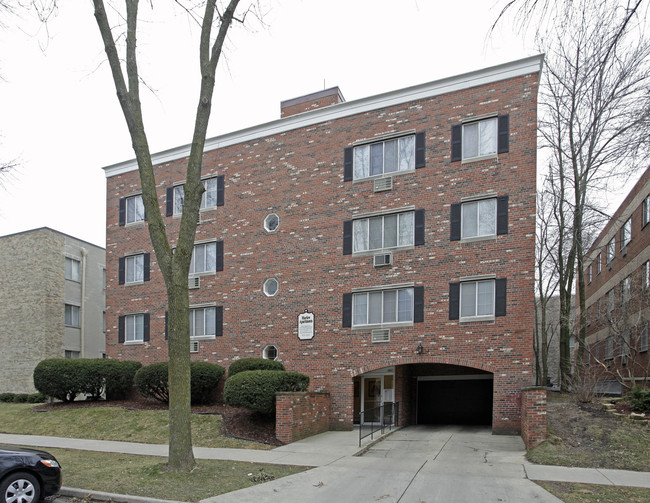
[{"x": 320, "y": 99}]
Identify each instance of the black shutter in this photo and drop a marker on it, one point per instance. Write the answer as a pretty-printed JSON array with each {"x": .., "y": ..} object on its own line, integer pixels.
[
  {"x": 502, "y": 215},
  {"x": 418, "y": 304},
  {"x": 454, "y": 221},
  {"x": 166, "y": 325},
  {"x": 120, "y": 329},
  {"x": 147, "y": 267},
  {"x": 122, "y": 217},
  {"x": 146, "y": 328},
  {"x": 220, "y": 190},
  {"x": 219, "y": 321},
  {"x": 500, "y": 297},
  {"x": 419, "y": 227},
  {"x": 503, "y": 142},
  {"x": 120, "y": 271},
  {"x": 456, "y": 142},
  {"x": 420, "y": 150},
  {"x": 347, "y": 237},
  {"x": 454, "y": 301},
  {"x": 219, "y": 255},
  {"x": 348, "y": 164},
  {"x": 170, "y": 201},
  {"x": 347, "y": 309}
]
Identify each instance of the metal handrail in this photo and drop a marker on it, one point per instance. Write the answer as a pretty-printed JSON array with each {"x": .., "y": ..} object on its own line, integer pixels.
[{"x": 387, "y": 414}]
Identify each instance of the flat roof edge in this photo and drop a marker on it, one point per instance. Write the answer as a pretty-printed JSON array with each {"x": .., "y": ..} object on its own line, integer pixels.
[{"x": 504, "y": 71}]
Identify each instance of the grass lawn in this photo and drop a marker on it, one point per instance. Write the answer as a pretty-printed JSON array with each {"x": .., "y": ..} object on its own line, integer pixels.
[
  {"x": 114, "y": 423},
  {"x": 146, "y": 476},
  {"x": 589, "y": 493}
]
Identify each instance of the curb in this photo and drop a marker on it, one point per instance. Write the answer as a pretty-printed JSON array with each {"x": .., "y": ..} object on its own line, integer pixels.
[{"x": 83, "y": 494}]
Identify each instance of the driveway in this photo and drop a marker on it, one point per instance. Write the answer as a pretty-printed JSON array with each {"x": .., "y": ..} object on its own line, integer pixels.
[{"x": 418, "y": 464}]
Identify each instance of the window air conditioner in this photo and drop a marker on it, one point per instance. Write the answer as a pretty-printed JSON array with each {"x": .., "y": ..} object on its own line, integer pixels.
[
  {"x": 383, "y": 259},
  {"x": 193, "y": 283},
  {"x": 382, "y": 184},
  {"x": 194, "y": 346},
  {"x": 380, "y": 335}
]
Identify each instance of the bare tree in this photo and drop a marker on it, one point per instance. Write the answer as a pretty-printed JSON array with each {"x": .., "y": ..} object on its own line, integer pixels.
[{"x": 174, "y": 266}]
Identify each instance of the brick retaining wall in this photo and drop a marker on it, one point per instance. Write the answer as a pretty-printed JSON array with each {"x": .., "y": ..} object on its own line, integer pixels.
[
  {"x": 301, "y": 415},
  {"x": 533, "y": 416}
]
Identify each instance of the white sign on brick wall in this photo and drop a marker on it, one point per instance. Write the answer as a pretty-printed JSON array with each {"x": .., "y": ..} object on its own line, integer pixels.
[{"x": 306, "y": 326}]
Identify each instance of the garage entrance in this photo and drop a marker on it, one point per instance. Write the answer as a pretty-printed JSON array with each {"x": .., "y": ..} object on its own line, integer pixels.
[{"x": 460, "y": 399}]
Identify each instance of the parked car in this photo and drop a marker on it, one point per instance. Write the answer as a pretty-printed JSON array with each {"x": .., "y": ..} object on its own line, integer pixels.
[{"x": 27, "y": 475}]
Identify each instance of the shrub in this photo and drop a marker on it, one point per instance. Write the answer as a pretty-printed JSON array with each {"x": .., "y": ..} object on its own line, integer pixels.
[
  {"x": 253, "y": 364},
  {"x": 204, "y": 381},
  {"x": 640, "y": 400},
  {"x": 256, "y": 389},
  {"x": 152, "y": 381},
  {"x": 59, "y": 378},
  {"x": 119, "y": 378},
  {"x": 37, "y": 398},
  {"x": 21, "y": 398},
  {"x": 6, "y": 397}
]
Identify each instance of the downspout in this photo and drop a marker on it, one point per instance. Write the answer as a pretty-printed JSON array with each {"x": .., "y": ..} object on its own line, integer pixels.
[{"x": 84, "y": 255}]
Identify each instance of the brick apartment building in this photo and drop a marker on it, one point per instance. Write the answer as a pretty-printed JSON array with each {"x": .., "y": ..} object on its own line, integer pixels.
[
  {"x": 51, "y": 303},
  {"x": 617, "y": 294},
  {"x": 383, "y": 246}
]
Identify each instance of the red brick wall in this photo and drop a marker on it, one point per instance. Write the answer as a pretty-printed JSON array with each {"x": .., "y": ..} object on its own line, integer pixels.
[
  {"x": 533, "y": 416},
  {"x": 298, "y": 175},
  {"x": 301, "y": 415}
]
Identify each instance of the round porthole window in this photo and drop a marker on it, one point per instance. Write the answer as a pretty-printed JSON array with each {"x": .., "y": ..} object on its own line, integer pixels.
[
  {"x": 270, "y": 353},
  {"x": 271, "y": 287},
  {"x": 271, "y": 222}
]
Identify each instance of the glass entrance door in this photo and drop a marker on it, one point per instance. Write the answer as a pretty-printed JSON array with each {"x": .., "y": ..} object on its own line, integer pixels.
[{"x": 372, "y": 393}]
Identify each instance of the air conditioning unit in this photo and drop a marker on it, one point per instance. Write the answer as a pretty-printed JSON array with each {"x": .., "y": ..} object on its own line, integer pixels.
[
  {"x": 383, "y": 259},
  {"x": 194, "y": 346},
  {"x": 380, "y": 335},
  {"x": 193, "y": 283},
  {"x": 382, "y": 184}
]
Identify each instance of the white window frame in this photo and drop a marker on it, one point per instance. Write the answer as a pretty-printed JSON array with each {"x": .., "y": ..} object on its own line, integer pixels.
[
  {"x": 480, "y": 233},
  {"x": 611, "y": 250},
  {"x": 178, "y": 195},
  {"x": 599, "y": 262},
  {"x": 589, "y": 271},
  {"x": 626, "y": 233},
  {"x": 365, "y": 222},
  {"x": 131, "y": 265},
  {"x": 268, "y": 222},
  {"x": 134, "y": 210},
  {"x": 362, "y": 157},
  {"x": 134, "y": 328},
  {"x": 626, "y": 289},
  {"x": 646, "y": 211},
  {"x": 383, "y": 323},
  {"x": 480, "y": 125},
  {"x": 476, "y": 315},
  {"x": 204, "y": 312},
  {"x": 267, "y": 284},
  {"x": 72, "y": 269},
  {"x": 267, "y": 352},
  {"x": 611, "y": 301},
  {"x": 211, "y": 187},
  {"x": 72, "y": 316},
  {"x": 645, "y": 274},
  {"x": 202, "y": 248}
]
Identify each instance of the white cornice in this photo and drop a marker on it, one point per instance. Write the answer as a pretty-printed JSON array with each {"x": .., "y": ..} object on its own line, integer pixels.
[{"x": 484, "y": 76}]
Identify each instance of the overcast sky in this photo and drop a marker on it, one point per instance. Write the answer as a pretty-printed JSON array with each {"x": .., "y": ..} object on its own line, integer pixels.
[{"x": 60, "y": 118}]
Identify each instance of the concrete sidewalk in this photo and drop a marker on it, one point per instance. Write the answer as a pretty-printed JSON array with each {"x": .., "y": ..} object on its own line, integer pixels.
[{"x": 450, "y": 464}]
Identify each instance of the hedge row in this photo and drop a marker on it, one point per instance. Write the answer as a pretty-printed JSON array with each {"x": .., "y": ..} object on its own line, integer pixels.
[
  {"x": 64, "y": 379},
  {"x": 256, "y": 389},
  {"x": 152, "y": 381},
  {"x": 23, "y": 397},
  {"x": 253, "y": 364}
]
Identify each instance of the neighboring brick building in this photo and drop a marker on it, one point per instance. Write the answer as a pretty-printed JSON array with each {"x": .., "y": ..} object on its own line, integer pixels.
[
  {"x": 617, "y": 293},
  {"x": 52, "y": 303},
  {"x": 400, "y": 228}
]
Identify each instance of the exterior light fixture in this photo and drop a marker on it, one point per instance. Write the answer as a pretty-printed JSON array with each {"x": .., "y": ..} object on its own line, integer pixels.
[{"x": 419, "y": 349}]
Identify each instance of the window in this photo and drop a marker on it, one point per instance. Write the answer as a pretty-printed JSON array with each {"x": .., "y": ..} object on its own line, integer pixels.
[
  {"x": 133, "y": 328},
  {"x": 599, "y": 261},
  {"x": 480, "y": 138},
  {"x": 388, "y": 231},
  {"x": 598, "y": 310},
  {"x": 134, "y": 269},
  {"x": 207, "y": 257},
  {"x": 643, "y": 338},
  {"x": 611, "y": 250},
  {"x": 610, "y": 301},
  {"x": 203, "y": 322},
  {"x": 589, "y": 315},
  {"x": 609, "y": 348},
  {"x": 271, "y": 287},
  {"x": 72, "y": 354},
  {"x": 271, "y": 222},
  {"x": 645, "y": 275},
  {"x": 72, "y": 269},
  {"x": 211, "y": 198},
  {"x": 626, "y": 289},
  {"x": 626, "y": 233},
  {"x": 589, "y": 270},
  {"x": 179, "y": 199},
  {"x": 384, "y": 157},
  {"x": 477, "y": 299},
  {"x": 479, "y": 218},
  {"x": 72, "y": 316},
  {"x": 134, "y": 209},
  {"x": 646, "y": 211},
  {"x": 383, "y": 306},
  {"x": 270, "y": 353}
]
